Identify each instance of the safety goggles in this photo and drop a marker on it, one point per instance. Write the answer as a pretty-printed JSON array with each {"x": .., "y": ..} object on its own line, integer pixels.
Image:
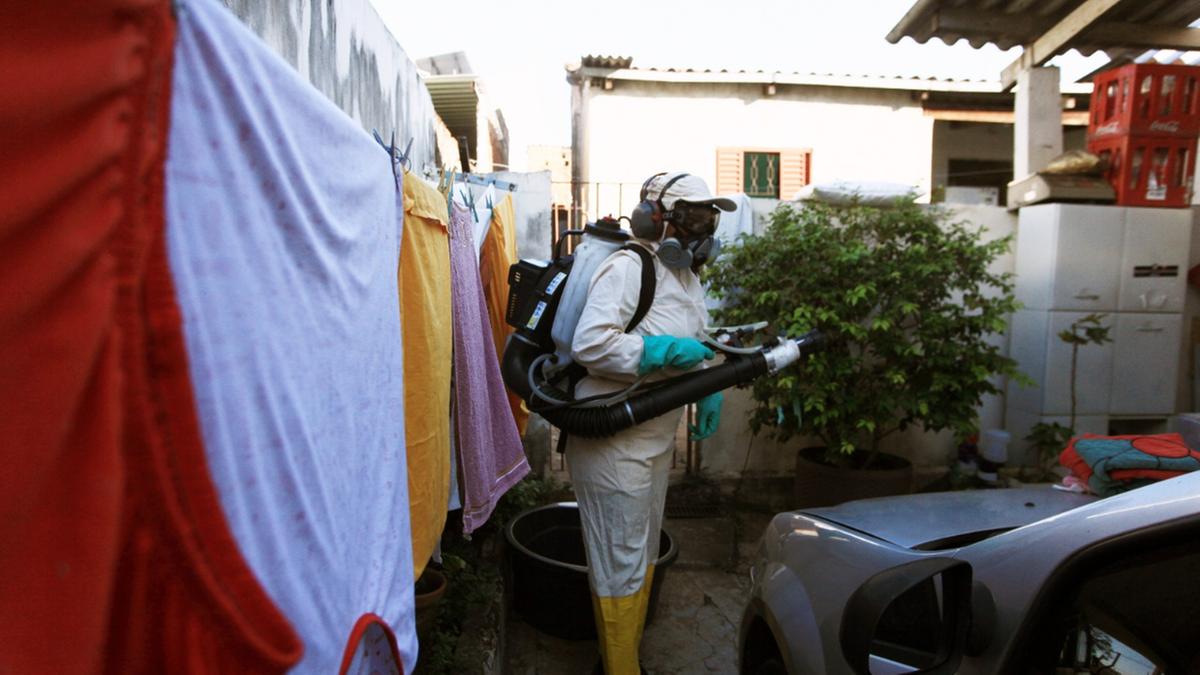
[{"x": 696, "y": 218}]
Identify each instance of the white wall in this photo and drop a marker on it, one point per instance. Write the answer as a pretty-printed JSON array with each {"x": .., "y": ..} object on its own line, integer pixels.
[{"x": 640, "y": 128}]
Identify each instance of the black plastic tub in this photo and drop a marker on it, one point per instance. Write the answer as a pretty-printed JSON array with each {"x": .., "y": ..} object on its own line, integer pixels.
[{"x": 549, "y": 571}]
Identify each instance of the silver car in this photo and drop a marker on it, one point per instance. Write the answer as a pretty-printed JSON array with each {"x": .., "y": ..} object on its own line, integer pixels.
[{"x": 1030, "y": 580}]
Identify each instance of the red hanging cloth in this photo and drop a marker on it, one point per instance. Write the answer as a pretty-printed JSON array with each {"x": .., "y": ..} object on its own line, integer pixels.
[{"x": 114, "y": 552}]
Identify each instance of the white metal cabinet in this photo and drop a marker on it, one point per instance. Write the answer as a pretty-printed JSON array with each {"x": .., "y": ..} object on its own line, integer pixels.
[
  {"x": 1145, "y": 363},
  {"x": 1128, "y": 263},
  {"x": 1069, "y": 256},
  {"x": 1154, "y": 260},
  {"x": 1046, "y": 359}
]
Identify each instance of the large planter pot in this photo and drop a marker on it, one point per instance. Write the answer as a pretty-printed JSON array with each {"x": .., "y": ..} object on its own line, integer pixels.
[
  {"x": 549, "y": 571},
  {"x": 821, "y": 484},
  {"x": 427, "y": 598}
]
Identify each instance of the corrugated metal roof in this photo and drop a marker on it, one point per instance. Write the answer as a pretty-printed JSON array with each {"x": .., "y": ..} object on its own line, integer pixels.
[
  {"x": 1010, "y": 23},
  {"x": 456, "y": 100},
  {"x": 604, "y": 61},
  {"x": 1168, "y": 56},
  {"x": 795, "y": 73},
  {"x": 709, "y": 75}
]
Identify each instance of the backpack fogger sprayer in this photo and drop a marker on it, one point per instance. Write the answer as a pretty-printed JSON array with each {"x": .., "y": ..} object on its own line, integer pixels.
[{"x": 545, "y": 301}]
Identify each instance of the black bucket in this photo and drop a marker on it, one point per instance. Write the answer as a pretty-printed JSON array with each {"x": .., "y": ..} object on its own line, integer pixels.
[{"x": 549, "y": 571}]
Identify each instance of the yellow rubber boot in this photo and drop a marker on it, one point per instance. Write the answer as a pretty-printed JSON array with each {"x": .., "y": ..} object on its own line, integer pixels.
[{"x": 619, "y": 625}]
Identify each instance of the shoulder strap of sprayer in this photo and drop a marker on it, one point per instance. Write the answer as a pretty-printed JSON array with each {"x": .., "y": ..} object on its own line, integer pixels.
[{"x": 649, "y": 281}]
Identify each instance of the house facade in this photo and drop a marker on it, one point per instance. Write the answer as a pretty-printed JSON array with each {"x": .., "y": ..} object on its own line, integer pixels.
[{"x": 768, "y": 133}]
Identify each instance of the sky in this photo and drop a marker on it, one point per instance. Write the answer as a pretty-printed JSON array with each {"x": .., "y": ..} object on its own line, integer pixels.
[{"x": 520, "y": 47}]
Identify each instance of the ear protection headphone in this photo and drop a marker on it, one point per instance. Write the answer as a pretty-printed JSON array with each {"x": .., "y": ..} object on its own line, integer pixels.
[
  {"x": 648, "y": 221},
  {"x": 649, "y": 217}
]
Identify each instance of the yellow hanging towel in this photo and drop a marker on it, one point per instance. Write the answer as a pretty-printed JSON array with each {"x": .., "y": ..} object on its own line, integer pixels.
[{"x": 424, "y": 281}]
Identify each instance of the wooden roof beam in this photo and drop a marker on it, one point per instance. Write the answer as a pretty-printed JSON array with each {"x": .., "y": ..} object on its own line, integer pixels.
[
  {"x": 1025, "y": 27},
  {"x": 1056, "y": 39},
  {"x": 1113, "y": 34},
  {"x": 973, "y": 23}
]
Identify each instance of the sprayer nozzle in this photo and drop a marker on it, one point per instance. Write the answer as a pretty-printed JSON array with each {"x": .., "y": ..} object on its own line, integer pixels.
[{"x": 811, "y": 341}]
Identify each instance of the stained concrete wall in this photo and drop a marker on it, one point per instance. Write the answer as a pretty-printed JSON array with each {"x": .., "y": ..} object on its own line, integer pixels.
[
  {"x": 725, "y": 454},
  {"x": 345, "y": 51},
  {"x": 532, "y": 205}
]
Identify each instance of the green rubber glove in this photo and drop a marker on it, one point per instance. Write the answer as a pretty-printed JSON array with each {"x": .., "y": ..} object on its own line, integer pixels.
[
  {"x": 708, "y": 417},
  {"x": 660, "y": 351}
]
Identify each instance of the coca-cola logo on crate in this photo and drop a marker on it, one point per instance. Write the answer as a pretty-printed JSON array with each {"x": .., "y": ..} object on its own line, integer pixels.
[
  {"x": 1112, "y": 127},
  {"x": 1165, "y": 126}
]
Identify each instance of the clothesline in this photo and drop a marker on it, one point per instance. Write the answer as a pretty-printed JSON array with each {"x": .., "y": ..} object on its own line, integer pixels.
[
  {"x": 401, "y": 158},
  {"x": 476, "y": 179}
]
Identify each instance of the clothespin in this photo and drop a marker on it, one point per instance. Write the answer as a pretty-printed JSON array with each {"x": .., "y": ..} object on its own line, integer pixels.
[
  {"x": 391, "y": 150},
  {"x": 392, "y": 155},
  {"x": 403, "y": 159},
  {"x": 447, "y": 189},
  {"x": 470, "y": 200}
]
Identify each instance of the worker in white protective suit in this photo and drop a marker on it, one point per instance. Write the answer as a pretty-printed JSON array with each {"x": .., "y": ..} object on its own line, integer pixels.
[{"x": 621, "y": 481}]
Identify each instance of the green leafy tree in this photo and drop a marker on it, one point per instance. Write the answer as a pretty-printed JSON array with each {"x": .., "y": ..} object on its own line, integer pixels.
[{"x": 909, "y": 300}]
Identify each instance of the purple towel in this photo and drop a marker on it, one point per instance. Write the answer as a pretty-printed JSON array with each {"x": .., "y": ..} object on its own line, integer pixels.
[{"x": 490, "y": 456}]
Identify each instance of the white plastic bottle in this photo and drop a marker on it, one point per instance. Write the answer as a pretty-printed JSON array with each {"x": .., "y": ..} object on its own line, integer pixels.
[
  {"x": 993, "y": 453},
  {"x": 600, "y": 240}
]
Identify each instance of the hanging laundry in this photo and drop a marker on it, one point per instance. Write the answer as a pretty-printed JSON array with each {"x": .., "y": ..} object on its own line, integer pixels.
[
  {"x": 491, "y": 458},
  {"x": 425, "y": 306},
  {"x": 484, "y": 205},
  {"x": 479, "y": 203},
  {"x": 454, "y": 501},
  {"x": 498, "y": 254},
  {"x": 283, "y": 231},
  {"x": 739, "y": 222},
  {"x": 114, "y": 553},
  {"x": 731, "y": 226}
]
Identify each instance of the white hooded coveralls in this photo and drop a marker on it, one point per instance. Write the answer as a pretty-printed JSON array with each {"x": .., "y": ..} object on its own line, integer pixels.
[{"x": 621, "y": 481}]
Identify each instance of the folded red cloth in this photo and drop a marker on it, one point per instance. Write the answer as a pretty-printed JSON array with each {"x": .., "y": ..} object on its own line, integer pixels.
[{"x": 1111, "y": 464}]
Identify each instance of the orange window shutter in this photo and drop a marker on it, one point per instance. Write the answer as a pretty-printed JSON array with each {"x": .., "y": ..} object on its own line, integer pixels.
[
  {"x": 729, "y": 170},
  {"x": 794, "y": 171}
]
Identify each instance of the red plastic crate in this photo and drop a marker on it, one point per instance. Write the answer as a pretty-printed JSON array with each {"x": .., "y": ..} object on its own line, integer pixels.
[
  {"x": 1146, "y": 99},
  {"x": 1149, "y": 170}
]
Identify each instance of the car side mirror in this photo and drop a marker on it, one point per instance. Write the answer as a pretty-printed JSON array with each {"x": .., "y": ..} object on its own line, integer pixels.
[{"x": 911, "y": 618}]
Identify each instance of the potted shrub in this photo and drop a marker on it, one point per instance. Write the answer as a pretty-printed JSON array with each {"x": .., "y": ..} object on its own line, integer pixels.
[{"x": 907, "y": 295}]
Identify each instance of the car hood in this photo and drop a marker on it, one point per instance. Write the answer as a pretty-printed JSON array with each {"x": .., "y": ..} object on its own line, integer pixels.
[{"x": 942, "y": 520}]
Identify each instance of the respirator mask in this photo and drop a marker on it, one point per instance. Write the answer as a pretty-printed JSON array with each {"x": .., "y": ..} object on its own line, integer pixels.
[{"x": 694, "y": 243}]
